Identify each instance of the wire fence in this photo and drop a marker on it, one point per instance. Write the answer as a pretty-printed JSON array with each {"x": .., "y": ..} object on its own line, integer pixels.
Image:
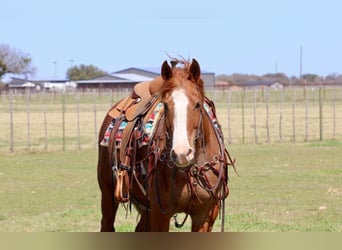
[{"x": 36, "y": 121}]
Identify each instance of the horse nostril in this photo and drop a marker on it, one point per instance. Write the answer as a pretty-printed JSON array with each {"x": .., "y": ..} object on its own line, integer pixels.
[{"x": 189, "y": 152}]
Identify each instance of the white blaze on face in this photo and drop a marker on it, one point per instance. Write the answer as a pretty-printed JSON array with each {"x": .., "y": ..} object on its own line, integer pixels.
[{"x": 181, "y": 145}]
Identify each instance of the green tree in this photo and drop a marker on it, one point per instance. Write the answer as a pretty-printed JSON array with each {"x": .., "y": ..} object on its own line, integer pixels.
[
  {"x": 14, "y": 61},
  {"x": 311, "y": 77},
  {"x": 276, "y": 77},
  {"x": 84, "y": 72}
]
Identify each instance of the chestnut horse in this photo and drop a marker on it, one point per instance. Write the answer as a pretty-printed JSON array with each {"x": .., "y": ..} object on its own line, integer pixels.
[{"x": 184, "y": 167}]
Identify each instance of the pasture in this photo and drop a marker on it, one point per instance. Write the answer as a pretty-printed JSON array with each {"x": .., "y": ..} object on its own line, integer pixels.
[
  {"x": 287, "y": 143},
  {"x": 281, "y": 187}
]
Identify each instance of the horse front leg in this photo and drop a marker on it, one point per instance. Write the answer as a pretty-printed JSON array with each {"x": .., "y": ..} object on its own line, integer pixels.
[
  {"x": 203, "y": 220},
  {"x": 160, "y": 223},
  {"x": 144, "y": 224},
  {"x": 153, "y": 223},
  {"x": 106, "y": 183},
  {"x": 108, "y": 208}
]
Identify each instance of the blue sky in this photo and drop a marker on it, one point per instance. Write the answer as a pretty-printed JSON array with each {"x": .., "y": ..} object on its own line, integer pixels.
[{"x": 250, "y": 37}]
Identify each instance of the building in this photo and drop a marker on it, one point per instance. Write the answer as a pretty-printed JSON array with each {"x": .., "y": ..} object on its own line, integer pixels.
[
  {"x": 20, "y": 84},
  {"x": 114, "y": 80},
  {"x": 127, "y": 78}
]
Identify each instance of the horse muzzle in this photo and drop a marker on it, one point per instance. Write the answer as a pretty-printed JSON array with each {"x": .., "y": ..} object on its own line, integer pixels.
[{"x": 182, "y": 156}]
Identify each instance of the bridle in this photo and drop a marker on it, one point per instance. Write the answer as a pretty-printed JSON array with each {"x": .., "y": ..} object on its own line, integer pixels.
[{"x": 197, "y": 173}]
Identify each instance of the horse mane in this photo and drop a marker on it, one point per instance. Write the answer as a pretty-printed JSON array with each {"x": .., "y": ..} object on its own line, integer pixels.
[{"x": 181, "y": 73}]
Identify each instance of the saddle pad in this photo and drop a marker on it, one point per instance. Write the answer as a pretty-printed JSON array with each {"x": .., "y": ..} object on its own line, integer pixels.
[
  {"x": 148, "y": 128},
  {"x": 118, "y": 136},
  {"x": 151, "y": 123}
]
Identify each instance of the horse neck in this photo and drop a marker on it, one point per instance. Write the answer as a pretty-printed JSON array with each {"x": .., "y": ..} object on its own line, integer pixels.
[{"x": 210, "y": 140}]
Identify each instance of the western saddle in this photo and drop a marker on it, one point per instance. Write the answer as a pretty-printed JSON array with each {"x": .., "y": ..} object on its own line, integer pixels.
[
  {"x": 139, "y": 101},
  {"x": 130, "y": 109}
]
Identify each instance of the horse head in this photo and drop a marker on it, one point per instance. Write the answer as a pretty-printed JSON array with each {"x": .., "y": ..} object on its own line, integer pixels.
[{"x": 183, "y": 96}]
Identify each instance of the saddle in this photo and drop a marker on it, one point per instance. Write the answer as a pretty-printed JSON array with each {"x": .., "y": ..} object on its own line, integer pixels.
[
  {"x": 131, "y": 109},
  {"x": 137, "y": 102}
]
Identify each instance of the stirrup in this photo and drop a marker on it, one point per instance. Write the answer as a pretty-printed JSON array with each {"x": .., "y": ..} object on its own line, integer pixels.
[{"x": 121, "y": 192}]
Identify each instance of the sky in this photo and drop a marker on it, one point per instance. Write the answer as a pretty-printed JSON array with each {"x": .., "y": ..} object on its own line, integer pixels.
[{"x": 226, "y": 37}]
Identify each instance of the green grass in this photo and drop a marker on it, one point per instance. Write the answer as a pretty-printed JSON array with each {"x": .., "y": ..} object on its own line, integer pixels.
[
  {"x": 49, "y": 192},
  {"x": 287, "y": 187},
  {"x": 281, "y": 187}
]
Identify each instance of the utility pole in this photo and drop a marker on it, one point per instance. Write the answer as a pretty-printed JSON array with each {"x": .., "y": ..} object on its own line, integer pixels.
[
  {"x": 301, "y": 62},
  {"x": 55, "y": 69}
]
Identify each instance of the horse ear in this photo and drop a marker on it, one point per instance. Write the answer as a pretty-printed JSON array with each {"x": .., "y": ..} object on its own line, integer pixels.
[
  {"x": 166, "y": 71},
  {"x": 195, "y": 70}
]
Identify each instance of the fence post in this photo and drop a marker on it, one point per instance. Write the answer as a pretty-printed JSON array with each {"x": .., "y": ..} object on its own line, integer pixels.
[
  {"x": 306, "y": 118},
  {"x": 11, "y": 122},
  {"x": 229, "y": 96},
  {"x": 267, "y": 115},
  {"x": 243, "y": 94},
  {"x": 63, "y": 118},
  {"x": 254, "y": 116},
  {"x": 320, "y": 114},
  {"x": 334, "y": 116},
  {"x": 294, "y": 114},
  {"x": 111, "y": 98},
  {"x": 78, "y": 119},
  {"x": 281, "y": 115},
  {"x": 95, "y": 125},
  {"x": 45, "y": 119},
  {"x": 28, "y": 110}
]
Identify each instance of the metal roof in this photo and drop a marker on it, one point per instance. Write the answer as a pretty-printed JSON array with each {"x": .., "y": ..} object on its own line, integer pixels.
[
  {"x": 153, "y": 70},
  {"x": 133, "y": 77}
]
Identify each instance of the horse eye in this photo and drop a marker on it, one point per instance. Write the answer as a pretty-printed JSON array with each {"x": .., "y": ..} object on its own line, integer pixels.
[{"x": 198, "y": 105}]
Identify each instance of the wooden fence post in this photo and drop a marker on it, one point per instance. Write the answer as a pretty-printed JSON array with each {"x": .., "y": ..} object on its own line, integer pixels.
[
  {"x": 267, "y": 115},
  {"x": 281, "y": 115},
  {"x": 306, "y": 118},
  {"x": 45, "y": 118},
  {"x": 334, "y": 116},
  {"x": 28, "y": 114},
  {"x": 78, "y": 119},
  {"x": 320, "y": 113},
  {"x": 243, "y": 95},
  {"x": 229, "y": 101},
  {"x": 63, "y": 118},
  {"x": 11, "y": 122},
  {"x": 95, "y": 125},
  {"x": 254, "y": 116},
  {"x": 294, "y": 115},
  {"x": 111, "y": 98}
]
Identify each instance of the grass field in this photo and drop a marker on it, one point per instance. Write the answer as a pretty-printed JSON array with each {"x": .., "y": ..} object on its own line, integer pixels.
[{"x": 281, "y": 187}]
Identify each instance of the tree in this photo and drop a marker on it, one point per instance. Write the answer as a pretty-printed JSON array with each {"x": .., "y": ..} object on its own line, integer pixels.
[
  {"x": 14, "y": 61},
  {"x": 84, "y": 72},
  {"x": 311, "y": 77},
  {"x": 276, "y": 77}
]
